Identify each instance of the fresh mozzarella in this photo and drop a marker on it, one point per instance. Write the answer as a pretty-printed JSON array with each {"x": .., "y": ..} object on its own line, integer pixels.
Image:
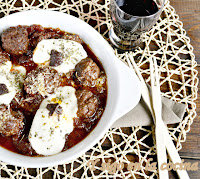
[
  {"x": 73, "y": 52},
  {"x": 5, "y": 67},
  {"x": 20, "y": 70},
  {"x": 13, "y": 81},
  {"x": 47, "y": 133}
]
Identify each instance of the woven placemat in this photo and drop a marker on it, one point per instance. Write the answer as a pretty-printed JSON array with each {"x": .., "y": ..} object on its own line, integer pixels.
[{"x": 167, "y": 41}]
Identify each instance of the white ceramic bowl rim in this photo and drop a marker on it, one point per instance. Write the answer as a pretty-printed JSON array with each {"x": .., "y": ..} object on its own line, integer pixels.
[{"x": 122, "y": 83}]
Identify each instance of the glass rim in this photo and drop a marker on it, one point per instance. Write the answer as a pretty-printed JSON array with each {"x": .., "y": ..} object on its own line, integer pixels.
[{"x": 141, "y": 17}]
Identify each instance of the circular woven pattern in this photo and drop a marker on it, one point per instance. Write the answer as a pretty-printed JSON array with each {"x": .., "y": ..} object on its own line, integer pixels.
[{"x": 167, "y": 41}]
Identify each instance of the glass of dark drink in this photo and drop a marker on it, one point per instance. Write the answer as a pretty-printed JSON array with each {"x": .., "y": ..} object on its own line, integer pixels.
[{"x": 131, "y": 18}]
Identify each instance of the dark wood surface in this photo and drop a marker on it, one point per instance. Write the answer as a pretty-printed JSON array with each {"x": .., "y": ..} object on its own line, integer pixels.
[{"x": 189, "y": 13}]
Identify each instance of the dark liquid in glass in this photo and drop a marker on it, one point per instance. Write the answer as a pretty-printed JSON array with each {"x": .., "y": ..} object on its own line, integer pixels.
[
  {"x": 131, "y": 18},
  {"x": 138, "y": 7}
]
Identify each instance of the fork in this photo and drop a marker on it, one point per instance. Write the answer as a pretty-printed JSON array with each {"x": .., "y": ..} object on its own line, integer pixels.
[
  {"x": 157, "y": 116},
  {"x": 171, "y": 149}
]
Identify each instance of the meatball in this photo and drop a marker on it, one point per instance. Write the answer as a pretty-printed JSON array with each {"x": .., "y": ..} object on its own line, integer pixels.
[
  {"x": 32, "y": 103},
  {"x": 11, "y": 122},
  {"x": 87, "y": 72},
  {"x": 28, "y": 103},
  {"x": 39, "y": 36},
  {"x": 73, "y": 37},
  {"x": 35, "y": 27},
  {"x": 17, "y": 100},
  {"x": 87, "y": 103},
  {"x": 42, "y": 81},
  {"x": 15, "y": 40}
]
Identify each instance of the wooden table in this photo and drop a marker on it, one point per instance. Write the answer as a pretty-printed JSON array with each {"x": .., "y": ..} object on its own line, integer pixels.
[{"x": 189, "y": 13}]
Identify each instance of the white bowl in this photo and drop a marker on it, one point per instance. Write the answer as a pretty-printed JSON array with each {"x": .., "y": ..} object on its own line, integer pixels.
[{"x": 123, "y": 85}]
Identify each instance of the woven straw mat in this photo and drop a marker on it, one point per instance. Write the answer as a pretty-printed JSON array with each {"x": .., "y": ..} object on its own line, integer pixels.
[{"x": 167, "y": 41}]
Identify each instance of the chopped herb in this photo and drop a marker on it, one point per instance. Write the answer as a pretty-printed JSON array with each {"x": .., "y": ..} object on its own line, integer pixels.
[
  {"x": 36, "y": 134},
  {"x": 51, "y": 131}
]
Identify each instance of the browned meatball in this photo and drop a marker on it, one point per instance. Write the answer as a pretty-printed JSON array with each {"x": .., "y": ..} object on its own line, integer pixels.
[
  {"x": 39, "y": 36},
  {"x": 42, "y": 81},
  {"x": 16, "y": 102},
  {"x": 15, "y": 40},
  {"x": 87, "y": 72},
  {"x": 32, "y": 103},
  {"x": 73, "y": 37},
  {"x": 87, "y": 103},
  {"x": 35, "y": 27},
  {"x": 28, "y": 103},
  {"x": 11, "y": 122}
]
